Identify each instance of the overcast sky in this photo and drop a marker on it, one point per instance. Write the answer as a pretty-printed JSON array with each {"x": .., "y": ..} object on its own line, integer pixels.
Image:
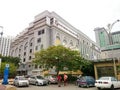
[{"x": 85, "y": 15}]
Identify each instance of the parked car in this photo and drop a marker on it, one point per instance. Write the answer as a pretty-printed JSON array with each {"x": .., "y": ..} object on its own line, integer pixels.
[
  {"x": 107, "y": 82},
  {"x": 52, "y": 79},
  {"x": 20, "y": 81},
  {"x": 38, "y": 80},
  {"x": 85, "y": 81}
]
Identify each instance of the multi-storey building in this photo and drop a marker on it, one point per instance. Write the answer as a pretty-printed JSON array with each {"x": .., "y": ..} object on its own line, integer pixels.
[
  {"x": 46, "y": 30},
  {"x": 109, "y": 63},
  {"x": 108, "y": 50},
  {"x": 5, "y": 43}
]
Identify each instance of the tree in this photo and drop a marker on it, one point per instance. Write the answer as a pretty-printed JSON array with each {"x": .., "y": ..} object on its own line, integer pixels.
[
  {"x": 9, "y": 59},
  {"x": 88, "y": 68},
  {"x": 12, "y": 69},
  {"x": 60, "y": 57},
  {"x": 13, "y": 63}
]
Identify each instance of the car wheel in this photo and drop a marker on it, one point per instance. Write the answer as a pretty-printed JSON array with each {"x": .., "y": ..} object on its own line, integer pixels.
[
  {"x": 87, "y": 86},
  {"x": 17, "y": 84},
  {"x": 36, "y": 83},
  {"x": 82, "y": 86},
  {"x": 49, "y": 82},
  {"x": 112, "y": 87},
  {"x": 99, "y": 88},
  {"x": 27, "y": 85},
  {"x": 78, "y": 85}
]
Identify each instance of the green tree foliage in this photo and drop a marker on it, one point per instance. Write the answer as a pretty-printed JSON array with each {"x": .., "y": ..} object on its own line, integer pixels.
[
  {"x": 12, "y": 69},
  {"x": 13, "y": 63},
  {"x": 60, "y": 57},
  {"x": 88, "y": 68},
  {"x": 14, "y": 60}
]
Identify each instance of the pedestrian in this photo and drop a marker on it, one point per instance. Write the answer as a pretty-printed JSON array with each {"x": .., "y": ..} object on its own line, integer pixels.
[
  {"x": 65, "y": 79},
  {"x": 59, "y": 78}
]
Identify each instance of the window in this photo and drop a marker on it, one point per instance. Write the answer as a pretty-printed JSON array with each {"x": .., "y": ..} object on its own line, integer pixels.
[
  {"x": 30, "y": 44},
  {"x": 39, "y": 32},
  {"x": 30, "y": 50},
  {"x": 24, "y": 60},
  {"x": 71, "y": 43},
  {"x": 38, "y": 40},
  {"x": 35, "y": 66},
  {"x": 19, "y": 55},
  {"x": 24, "y": 53},
  {"x": 43, "y": 31},
  {"x": 83, "y": 41},
  {"x": 30, "y": 57},
  {"x": 19, "y": 50},
  {"x": 29, "y": 66},
  {"x": 51, "y": 20},
  {"x": 64, "y": 42},
  {"x": 40, "y": 66}
]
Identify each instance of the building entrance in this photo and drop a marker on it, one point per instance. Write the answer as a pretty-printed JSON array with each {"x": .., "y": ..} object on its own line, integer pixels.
[{"x": 105, "y": 71}]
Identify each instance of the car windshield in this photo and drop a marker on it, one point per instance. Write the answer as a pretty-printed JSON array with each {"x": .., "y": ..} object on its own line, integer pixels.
[
  {"x": 104, "y": 78},
  {"x": 40, "y": 77},
  {"x": 53, "y": 76},
  {"x": 22, "y": 78}
]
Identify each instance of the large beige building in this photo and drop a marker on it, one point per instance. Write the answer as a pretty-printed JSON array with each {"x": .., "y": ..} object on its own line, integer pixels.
[{"x": 48, "y": 29}]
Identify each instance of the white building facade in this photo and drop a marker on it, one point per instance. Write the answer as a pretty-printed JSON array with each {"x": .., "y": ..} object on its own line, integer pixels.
[
  {"x": 5, "y": 43},
  {"x": 46, "y": 30}
]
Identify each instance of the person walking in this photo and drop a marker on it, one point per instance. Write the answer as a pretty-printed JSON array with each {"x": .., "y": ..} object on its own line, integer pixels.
[
  {"x": 59, "y": 78},
  {"x": 65, "y": 79}
]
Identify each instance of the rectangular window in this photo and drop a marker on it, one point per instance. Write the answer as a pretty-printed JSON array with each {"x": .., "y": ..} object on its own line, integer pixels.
[
  {"x": 30, "y": 44},
  {"x": 24, "y": 53},
  {"x": 38, "y": 40},
  {"x": 39, "y": 32},
  {"x": 24, "y": 60},
  {"x": 35, "y": 66},
  {"x": 43, "y": 31},
  {"x": 30, "y": 57},
  {"x": 51, "y": 20},
  {"x": 30, "y": 50}
]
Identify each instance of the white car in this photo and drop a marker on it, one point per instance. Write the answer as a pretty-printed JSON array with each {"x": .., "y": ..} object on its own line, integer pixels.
[
  {"x": 107, "y": 82},
  {"x": 38, "y": 80},
  {"x": 20, "y": 81}
]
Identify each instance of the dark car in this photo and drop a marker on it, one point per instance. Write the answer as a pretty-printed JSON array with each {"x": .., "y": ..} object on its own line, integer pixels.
[{"x": 85, "y": 81}]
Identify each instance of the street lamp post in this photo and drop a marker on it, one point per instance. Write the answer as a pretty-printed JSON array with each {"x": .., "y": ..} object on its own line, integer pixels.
[{"x": 110, "y": 26}]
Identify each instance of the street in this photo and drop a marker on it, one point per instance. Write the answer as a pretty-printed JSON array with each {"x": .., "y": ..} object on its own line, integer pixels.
[{"x": 55, "y": 87}]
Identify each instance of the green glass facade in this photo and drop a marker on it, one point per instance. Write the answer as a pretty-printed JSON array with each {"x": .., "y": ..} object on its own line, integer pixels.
[{"x": 102, "y": 39}]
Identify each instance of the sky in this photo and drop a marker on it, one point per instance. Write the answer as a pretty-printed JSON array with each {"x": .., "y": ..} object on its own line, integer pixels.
[{"x": 85, "y": 15}]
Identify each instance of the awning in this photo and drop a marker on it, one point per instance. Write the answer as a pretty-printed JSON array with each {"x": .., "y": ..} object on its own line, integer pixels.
[{"x": 78, "y": 72}]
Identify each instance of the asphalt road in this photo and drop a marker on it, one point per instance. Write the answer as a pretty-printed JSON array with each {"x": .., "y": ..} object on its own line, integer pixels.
[{"x": 55, "y": 87}]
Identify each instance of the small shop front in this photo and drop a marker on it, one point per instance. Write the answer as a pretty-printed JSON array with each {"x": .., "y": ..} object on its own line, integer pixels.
[{"x": 107, "y": 67}]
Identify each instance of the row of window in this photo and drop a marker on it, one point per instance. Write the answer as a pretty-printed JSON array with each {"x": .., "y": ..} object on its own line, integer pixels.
[
  {"x": 41, "y": 32},
  {"x": 24, "y": 59}
]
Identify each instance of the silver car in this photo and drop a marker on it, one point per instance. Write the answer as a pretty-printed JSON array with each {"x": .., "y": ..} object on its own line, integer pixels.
[
  {"x": 38, "y": 80},
  {"x": 20, "y": 81},
  {"x": 52, "y": 79}
]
